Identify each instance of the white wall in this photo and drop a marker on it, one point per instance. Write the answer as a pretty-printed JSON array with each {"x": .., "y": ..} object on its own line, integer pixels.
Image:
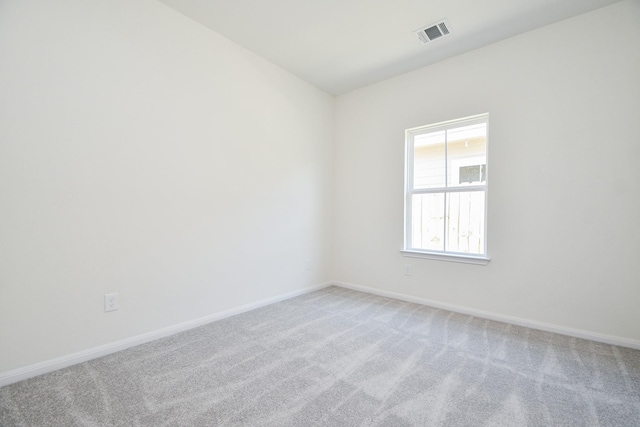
[
  {"x": 143, "y": 154},
  {"x": 564, "y": 155}
]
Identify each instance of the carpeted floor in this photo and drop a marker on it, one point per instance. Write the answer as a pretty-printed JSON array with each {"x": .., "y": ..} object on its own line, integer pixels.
[{"x": 337, "y": 357}]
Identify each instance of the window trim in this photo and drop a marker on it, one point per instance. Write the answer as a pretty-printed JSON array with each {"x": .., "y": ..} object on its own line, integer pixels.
[
  {"x": 409, "y": 191},
  {"x": 446, "y": 256}
]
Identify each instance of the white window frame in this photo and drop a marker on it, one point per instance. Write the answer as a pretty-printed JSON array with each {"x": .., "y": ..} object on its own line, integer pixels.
[{"x": 410, "y": 134}]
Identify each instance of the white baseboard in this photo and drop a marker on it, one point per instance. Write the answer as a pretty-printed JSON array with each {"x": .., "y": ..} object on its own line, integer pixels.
[
  {"x": 31, "y": 371},
  {"x": 577, "y": 333}
]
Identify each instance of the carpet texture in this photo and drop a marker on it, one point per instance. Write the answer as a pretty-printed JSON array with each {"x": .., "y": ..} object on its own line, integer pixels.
[{"x": 337, "y": 357}]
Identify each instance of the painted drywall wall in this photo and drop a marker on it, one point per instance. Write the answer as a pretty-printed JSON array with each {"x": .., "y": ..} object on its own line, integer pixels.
[
  {"x": 564, "y": 181},
  {"x": 143, "y": 154}
]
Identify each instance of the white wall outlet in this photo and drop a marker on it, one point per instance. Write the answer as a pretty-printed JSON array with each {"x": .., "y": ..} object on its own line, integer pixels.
[
  {"x": 111, "y": 302},
  {"x": 307, "y": 264},
  {"x": 407, "y": 270}
]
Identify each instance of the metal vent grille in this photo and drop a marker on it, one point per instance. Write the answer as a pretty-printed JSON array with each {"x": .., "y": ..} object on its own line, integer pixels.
[{"x": 433, "y": 31}]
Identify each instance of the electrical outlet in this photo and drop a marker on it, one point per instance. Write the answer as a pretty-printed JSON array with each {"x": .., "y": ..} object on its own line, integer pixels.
[
  {"x": 407, "y": 270},
  {"x": 307, "y": 264},
  {"x": 111, "y": 302}
]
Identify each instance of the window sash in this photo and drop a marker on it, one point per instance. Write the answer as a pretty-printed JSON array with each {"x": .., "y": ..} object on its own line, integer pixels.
[
  {"x": 460, "y": 189},
  {"x": 449, "y": 223}
]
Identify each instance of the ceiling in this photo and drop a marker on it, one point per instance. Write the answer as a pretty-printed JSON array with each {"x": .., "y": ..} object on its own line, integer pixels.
[{"x": 341, "y": 45}]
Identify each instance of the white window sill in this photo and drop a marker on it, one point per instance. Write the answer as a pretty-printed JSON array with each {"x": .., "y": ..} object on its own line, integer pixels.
[{"x": 467, "y": 259}]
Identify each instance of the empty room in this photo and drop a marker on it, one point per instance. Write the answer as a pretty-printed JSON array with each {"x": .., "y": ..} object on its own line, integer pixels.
[{"x": 320, "y": 213}]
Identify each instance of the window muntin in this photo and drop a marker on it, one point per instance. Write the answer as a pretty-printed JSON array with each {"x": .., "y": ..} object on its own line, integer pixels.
[{"x": 446, "y": 188}]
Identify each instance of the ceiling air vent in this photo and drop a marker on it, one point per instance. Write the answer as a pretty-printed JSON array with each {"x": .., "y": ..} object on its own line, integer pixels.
[{"x": 433, "y": 31}]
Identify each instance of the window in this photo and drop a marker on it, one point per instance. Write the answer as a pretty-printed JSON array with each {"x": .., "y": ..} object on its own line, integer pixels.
[{"x": 446, "y": 190}]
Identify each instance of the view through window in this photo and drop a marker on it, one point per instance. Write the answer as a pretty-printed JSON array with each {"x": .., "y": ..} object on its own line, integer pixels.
[{"x": 446, "y": 188}]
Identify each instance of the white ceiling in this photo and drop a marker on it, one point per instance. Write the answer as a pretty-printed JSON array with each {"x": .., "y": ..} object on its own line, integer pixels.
[{"x": 340, "y": 45}]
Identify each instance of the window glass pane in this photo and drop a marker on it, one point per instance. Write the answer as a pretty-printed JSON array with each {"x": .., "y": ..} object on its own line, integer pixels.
[
  {"x": 429, "y": 160},
  {"x": 466, "y": 155},
  {"x": 427, "y": 228},
  {"x": 465, "y": 222}
]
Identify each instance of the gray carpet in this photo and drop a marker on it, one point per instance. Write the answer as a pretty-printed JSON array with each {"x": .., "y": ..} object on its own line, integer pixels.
[{"x": 337, "y": 357}]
